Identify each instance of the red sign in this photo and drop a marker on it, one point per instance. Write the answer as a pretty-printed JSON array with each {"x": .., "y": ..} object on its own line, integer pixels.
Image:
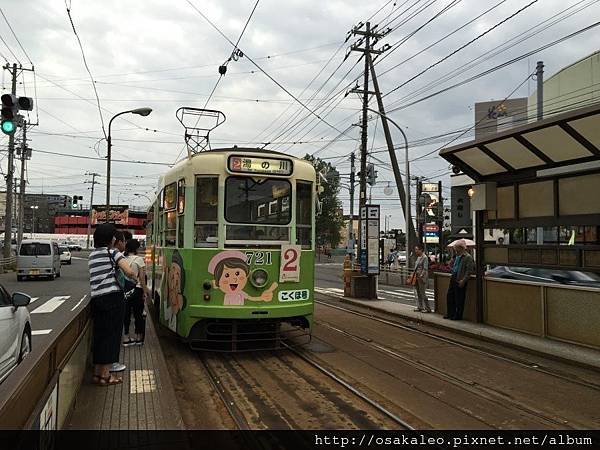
[{"x": 431, "y": 227}]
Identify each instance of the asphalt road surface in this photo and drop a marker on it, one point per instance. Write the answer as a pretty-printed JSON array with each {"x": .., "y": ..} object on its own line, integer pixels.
[
  {"x": 328, "y": 280},
  {"x": 54, "y": 303}
]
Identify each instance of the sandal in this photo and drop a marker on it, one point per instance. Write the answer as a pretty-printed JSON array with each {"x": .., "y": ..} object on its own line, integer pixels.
[{"x": 108, "y": 381}]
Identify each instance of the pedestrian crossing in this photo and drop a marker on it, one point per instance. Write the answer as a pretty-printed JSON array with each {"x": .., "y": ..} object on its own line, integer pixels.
[
  {"x": 51, "y": 305},
  {"x": 50, "y": 312},
  {"x": 403, "y": 295}
]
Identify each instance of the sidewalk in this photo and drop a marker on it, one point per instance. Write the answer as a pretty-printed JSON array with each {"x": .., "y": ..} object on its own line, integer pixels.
[
  {"x": 548, "y": 347},
  {"x": 144, "y": 401}
]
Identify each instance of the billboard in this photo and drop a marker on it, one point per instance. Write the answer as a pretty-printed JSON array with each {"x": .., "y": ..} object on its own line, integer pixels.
[
  {"x": 117, "y": 214},
  {"x": 499, "y": 115}
]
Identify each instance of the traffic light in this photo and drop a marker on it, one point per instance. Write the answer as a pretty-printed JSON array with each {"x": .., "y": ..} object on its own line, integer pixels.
[
  {"x": 9, "y": 113},
  {"x": 76, "y": 198},
  {"x": 371, "y": 174},
  {"x": 11, "y": 104}
]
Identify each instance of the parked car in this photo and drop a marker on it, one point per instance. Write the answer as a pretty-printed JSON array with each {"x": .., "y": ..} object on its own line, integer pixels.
[
  {"x": 544, "y": 275},
  {"x": 15, "y": 330},
  {"x": 74, "y": 247},
  {"x": 65, "y": 254},
  {"x": 38, "y": 258}
]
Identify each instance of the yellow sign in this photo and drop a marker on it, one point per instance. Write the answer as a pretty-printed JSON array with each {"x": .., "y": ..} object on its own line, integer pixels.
[{"x": 267, "y": 166}]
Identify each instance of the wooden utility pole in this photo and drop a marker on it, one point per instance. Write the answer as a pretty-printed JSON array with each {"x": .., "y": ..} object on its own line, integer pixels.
[
  {"x": 24, "y": 158},
  {"x": 403, "y": 192}
]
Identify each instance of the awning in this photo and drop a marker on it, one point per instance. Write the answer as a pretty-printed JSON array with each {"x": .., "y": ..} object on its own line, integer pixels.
[{"x": 561, "y": 140}]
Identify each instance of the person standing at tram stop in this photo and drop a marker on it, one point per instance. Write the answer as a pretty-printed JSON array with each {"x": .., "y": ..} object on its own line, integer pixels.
[
  {"x": 462, "y": 269},
  {"x": 421, "y": 272},
  {"x": 107, "y": 303},
  {"x": 135, "y": 303}
]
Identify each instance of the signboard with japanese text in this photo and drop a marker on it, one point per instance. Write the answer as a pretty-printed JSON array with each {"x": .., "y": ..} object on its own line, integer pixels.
[
  {"x": 116, "y": 214},
  {"x": 289, "y": 269},
  {"x": 265, "y": 166},
  {"x": 369, "y": 239}
]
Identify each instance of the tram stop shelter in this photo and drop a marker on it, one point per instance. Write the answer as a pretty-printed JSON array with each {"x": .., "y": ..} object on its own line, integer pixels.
[{"x": 540, "y": 182}]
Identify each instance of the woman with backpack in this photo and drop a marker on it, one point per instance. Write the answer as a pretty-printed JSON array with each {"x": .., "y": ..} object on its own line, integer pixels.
[
  {"x": 107, "y": 303},
  {"x": 134, "y": 302}
]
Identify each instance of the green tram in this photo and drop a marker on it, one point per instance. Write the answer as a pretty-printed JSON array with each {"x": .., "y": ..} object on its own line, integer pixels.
[{"x": 230, "y": 249}]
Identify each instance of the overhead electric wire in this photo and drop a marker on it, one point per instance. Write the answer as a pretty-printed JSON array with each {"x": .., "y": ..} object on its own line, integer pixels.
[
  {"x": 87, "y": 68},
  {"x": 442, "y": 39},
  {"x": 10, "y": 50},
  {"x": 506, "y": 45},
  {"x": 15, "y": 36},
  {"x": 498, "y": 67},
  {"x": 259, "y": 67},
  {"x": 128, "y": 161},
  {"x": 462, "y": 47}
]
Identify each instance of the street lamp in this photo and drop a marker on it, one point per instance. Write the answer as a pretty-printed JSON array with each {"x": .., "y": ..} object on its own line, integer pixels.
[
  {"x": 138, "y": 111},
  {"x": 33, "y": 208},
  {"x": 407, "y": 182}
]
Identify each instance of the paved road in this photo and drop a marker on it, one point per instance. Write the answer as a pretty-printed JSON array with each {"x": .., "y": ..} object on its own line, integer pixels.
[
  {"x": 53, "y": 303},
  {"x": 328, "y": 280}
]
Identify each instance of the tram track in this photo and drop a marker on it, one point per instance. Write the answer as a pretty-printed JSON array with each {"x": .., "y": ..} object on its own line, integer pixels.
[
  {"x": 481, "y": 391},
  {"x": 525, "y": 364},
  {"x": 260, "y": 389}
]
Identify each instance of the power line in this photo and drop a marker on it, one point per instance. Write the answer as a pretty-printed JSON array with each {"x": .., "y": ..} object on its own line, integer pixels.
[
  {"x": 128, "y": 161},
  {"x": 15, "y": 36},
  {"x": 462, "y": 47},
  {"x": 261, "y": 69},
  {"x": 86, "y": 68}
]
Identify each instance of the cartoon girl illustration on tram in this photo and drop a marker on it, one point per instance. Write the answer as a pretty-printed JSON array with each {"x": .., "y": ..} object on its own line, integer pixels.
[
  {"x": 175, "y": 284},
  {"x": 231, "y": 276}
]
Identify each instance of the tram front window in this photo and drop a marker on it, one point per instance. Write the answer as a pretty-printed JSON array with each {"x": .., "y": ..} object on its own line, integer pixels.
[{"x": 258, "y": 201}]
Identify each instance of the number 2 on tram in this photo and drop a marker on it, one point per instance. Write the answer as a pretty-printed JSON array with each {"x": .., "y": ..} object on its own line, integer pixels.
[{"x": 230, "y": 249}]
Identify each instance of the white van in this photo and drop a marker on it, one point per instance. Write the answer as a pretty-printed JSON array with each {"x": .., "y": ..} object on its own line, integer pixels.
[{"x": 38, "y": 258}]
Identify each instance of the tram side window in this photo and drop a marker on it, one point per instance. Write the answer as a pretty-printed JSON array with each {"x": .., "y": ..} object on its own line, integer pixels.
[
  {"x": 170, "y": 215},
  {"x": 304, "y": 214},
  {"x": 207, "y": 200},
  {"x": 180, "y": 211}
]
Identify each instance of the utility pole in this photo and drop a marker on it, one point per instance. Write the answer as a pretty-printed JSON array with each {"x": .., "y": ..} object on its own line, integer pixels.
[
  {"x": 403, "y": 192},
  {"x": 539, "y": 72},
  {"x": 89, "y": 227},
  {"x": 10, "y": 173},
  {"x": 351, "y": 221},
  {"x": 24, "y": 158}
]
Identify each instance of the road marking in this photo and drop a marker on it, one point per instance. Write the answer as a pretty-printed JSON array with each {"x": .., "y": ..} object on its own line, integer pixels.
[
  {"x": 33, "y": 299},
  {"x": 79, "y": 257},
  {"x": 38, "y": 332},
  {"x": 78, "y": 303},
  {"x": 51, "y": 305}
]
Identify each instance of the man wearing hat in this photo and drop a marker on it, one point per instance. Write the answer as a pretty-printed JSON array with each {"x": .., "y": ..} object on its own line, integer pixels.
[{"x": 463, "y": 268}]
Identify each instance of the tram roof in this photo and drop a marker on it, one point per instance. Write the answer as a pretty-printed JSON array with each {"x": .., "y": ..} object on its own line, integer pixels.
[{"x": 204, "y": 161}]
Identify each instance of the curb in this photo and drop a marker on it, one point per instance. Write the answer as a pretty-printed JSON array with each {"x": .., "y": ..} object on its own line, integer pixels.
[{"x": 560, "y": 351}]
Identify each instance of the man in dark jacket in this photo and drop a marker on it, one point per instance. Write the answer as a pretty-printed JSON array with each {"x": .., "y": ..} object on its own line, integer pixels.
[{"x": 462, "y": 269}]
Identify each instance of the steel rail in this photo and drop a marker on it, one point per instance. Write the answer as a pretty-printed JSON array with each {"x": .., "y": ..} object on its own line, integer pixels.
[
  {"x": 351, "y": 388},
  {"x": 527, "y": 365}
]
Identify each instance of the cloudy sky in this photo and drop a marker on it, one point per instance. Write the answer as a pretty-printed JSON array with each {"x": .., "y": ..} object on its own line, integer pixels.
[{"x": 165, "y": 55}]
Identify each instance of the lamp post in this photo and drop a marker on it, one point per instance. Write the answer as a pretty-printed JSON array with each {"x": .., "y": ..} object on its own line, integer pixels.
[
  {"x": 33, "y": 208},
  {"x": 144, "y": 195},
  {"x": 407, "y": 183},
  {"x": 138, "y": 111}
]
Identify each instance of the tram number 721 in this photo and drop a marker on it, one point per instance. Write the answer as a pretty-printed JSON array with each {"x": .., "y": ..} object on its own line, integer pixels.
[{"x": 259, "y": 258}]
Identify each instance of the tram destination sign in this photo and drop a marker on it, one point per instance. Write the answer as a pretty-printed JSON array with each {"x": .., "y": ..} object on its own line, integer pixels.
[{"x": 266, "y": 166}]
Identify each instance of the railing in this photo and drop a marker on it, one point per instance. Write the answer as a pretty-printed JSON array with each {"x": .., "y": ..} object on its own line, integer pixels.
[
  {"x": 40, "y": 391},
  {"x": 8, "y": 263}
]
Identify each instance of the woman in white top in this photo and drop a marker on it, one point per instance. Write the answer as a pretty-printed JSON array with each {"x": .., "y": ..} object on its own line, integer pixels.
[{"x": 135, "y": 303}]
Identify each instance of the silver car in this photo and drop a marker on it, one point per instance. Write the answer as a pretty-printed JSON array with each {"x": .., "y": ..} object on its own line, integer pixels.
[
  {"x": 38, "y": 258},
  {"x": 15, "y": 330}
]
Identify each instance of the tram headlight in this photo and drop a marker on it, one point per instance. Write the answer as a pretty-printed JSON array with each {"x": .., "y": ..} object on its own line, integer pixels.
[{"x": 259, "y": 278}]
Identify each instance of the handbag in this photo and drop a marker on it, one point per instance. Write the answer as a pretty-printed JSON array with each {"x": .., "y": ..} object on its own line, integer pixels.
[
  {"x": 126, "y": 285},
  {"x": 412, "y": 280}
]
